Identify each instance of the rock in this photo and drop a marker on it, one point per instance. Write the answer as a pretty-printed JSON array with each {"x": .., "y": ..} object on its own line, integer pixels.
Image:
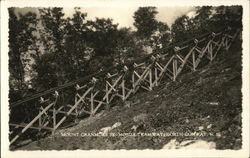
[
  {"x": 106, "y": 130},
  {"x": 237, "y": 118},
  {"x": 147, "y": 102},
  {"x": 201, "y": 128},
  {"x": 155, "y": 140},
  {"x": 24, "y": 142},
  {"x": 134, "y": 128},
  {"x": 238, "y": 140},
  {"x": 128, "y": 104},
  {"x": 226, "y": 70},
  {"x": 205, "y": 70},
  {"x": 172, "y": 144},
  {"x": 218, "y": 134},
  {"x": 199, "y": 144},
  {"x": 117, "y": 124},
  {"x": 213, "y": 103},
  {"x": 131, "y": 103},
  {"x": 156, "y": 96},
  {"x": 141, "y": 118},
  {"x": 209, "y": 126},
  {"x": 189, "y": 144}
]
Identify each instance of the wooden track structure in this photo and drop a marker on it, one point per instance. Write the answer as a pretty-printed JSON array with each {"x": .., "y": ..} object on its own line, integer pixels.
[{"x": 102, "y": 89}]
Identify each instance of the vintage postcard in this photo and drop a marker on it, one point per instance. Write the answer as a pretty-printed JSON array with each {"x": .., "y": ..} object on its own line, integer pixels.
[{"x": 125, "y": 78}]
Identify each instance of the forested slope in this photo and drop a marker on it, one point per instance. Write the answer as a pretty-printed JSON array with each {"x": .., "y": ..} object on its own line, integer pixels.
[{"x": 206, "y": 102}]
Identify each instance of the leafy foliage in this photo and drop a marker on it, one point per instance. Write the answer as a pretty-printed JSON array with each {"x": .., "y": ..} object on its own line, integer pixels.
[
  {"x": 152, "y": 33},
  {"x": 20, "y": 39},
  {"x": 206, "y": 19},
  {"x": 55, "y": 49},
  {"x": 145, "y": 21}
]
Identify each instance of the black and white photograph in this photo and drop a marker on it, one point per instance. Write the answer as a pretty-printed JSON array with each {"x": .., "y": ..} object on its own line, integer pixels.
[{"x": 111, "y": 78}]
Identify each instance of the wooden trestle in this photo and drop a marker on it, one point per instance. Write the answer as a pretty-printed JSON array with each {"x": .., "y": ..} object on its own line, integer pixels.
[{"x": 101, "y": 91}]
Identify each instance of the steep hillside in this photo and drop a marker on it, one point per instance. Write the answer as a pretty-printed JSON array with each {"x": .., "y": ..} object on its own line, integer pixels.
[{"x": 206, "y": 104}]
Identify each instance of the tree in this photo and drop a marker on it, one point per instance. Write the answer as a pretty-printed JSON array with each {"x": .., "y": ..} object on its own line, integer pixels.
[
  {"x": 76, "y": 46},
  {"x": 53, "y": 38},
  {"x": 227, "y": 16},
  {"x": 202, "y": 19},
  {"x": 160, "y": 39},
  {"x": 101, "y": 37},
  {"x": 206, "y": 19},
  {"x": 127, "y": 48},
  {"x": 181, "y": 29},
  {"x": 154, "y": 35},
  {"x": 21, "y": 38},
  {"x": 145, "y": 21}
]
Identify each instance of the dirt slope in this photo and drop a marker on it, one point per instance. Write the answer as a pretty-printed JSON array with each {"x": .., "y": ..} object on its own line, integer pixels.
[{"x": 206, "y": 101}]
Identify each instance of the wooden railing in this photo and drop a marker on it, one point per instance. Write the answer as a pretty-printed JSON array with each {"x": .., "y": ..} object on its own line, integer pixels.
[{"x": 101, "y": 89}]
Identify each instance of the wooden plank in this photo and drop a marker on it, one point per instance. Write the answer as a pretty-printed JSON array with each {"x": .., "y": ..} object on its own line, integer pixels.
[
  {"x": 193, "y": 60},
  {"x": 211, "y": 51},
  {"x": 217, "y": 50},
  {"x": 144, "y": 74},
  {"x": 111, "y": 98},
  {"x": 165, "y": 69},
  {"x": 63, "y": 112},
  {"x": 111, "y": 87},
  {"x": 171, "y": 73},
  {"x": 139, "y": 65},
  {"x": 70, "y": 111},
  {"x": 119, "y": 95},
  {"x": 128, "y": 94},
  {"x": 184, "y": 61},
  {"x": 107, "y": 89},
  {"x": 31, "y": 123},
  {"x": 174, "y": 68},
  {"x": 115, "y": 83},
  {"x": 76, "y": 109},
  {"x": 180, "y": 58},
  {"x": 137, "y": 74},
  {"x": 87, "y": 112},
  {"x": 161, "y": 67},
  {"x": 97, "y": 101},
  {"x": 216, "y": 43},
  {"x": 198, "y": 49},
  {"x": 123, "y": 90},
  {"x": 201, "y": 54},
  {"x": 138, "y": 82},
  {"x": 31, "y": 127},
  {"x": 68, "y": 105},
  {"x": 106, "y": 95},
  {"x": 96, "y": 93},
  {"x": 80, "y": 87},
  {"x": 133, "y": 81},
  {"x": 156, "y": 77},
  {"x": 145, "y": 88},
  {"x": 91, "y": 103},
  {"x": 40, "y": 119},
  {"x": 150, "y": 80},
  {"x": 54, "y": 119},
  {"x": 233, "y": 38}
]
